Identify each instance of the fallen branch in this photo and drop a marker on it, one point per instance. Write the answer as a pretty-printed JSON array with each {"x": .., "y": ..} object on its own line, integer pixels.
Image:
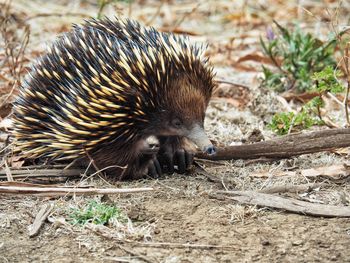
[
  {"x": 292, "y": 205},
  {"x": 64, "y": 191},
  {"x": 285, "y": 146}
]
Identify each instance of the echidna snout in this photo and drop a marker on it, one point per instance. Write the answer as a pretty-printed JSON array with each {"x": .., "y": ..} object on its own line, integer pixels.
[{"x": 199, "y": 137}]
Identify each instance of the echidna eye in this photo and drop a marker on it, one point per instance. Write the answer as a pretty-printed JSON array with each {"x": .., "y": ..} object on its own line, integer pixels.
[{"x": 176, "y": 123}]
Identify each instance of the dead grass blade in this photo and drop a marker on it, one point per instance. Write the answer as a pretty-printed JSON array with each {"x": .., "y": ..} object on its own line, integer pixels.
[{"x": 15, "y": 38}]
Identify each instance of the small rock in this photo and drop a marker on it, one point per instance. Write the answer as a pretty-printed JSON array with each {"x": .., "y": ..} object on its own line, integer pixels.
[
  {"x": 297, "y": 242},
  {"x": 265, "y": 242}
]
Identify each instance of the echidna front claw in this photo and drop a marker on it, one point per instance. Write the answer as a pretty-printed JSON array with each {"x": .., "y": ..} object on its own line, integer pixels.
[
  {"x": 181, "y": 158},
  {"x": 167, "y": 162}
]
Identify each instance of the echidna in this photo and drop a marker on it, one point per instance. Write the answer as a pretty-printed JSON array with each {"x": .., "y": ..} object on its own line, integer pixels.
[{"x": 122, "y": 94}]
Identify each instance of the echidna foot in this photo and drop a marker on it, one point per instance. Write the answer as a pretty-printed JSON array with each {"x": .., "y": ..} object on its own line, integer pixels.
[
  {"x": 181, "y": 159},
  {"x": 169, "y": 156}
]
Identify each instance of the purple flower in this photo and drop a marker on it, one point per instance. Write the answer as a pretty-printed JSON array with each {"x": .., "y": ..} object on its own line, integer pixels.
[{"x": 270, "y": 34}]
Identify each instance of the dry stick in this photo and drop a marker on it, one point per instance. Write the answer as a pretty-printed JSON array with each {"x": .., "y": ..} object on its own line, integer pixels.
[
  {"x": 144, "y": 258},
  {"x": 178, "y": 22},
  {"x": 92, "y": 161},
  {"x": 40, "y": 167},
  {"x": 105, "y": 232},
  {"x": 98, "y": 171},
  {"x": 348, "y": 83},
  {"x": 292, "y": 205},
  {"x": 16, "y": 64},
  {"x": 64, "y": 191},
  {"x": 285, "y": 146},
  {"x": 43, "y": 176},
  {"x": 56, "y": 14},
  {"x": 44, "y": 173},
  {"x": 334, "y": 25},
  {"x": 23, "y": 184},
  {"x": 290, "y": 188},
  {"x": 149, "y": 22},
  {"x": 8, "y": 176},
  {"x": 231, "y": 83},
  {"x": 40, "y": 219},
  {"x": 181, "y": 245}
]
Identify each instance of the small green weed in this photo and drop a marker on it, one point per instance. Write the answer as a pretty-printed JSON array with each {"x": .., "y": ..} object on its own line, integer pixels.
[
  {"x": 96, "y": 213},
  {"x": 285, "y": 122},
  {"x": 296, "y": 56},
  {"x": 327, "y": 81},
  {"x": 310, "y": 114}
]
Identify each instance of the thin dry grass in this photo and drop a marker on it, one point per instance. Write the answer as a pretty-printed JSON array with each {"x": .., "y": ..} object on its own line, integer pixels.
[{"x": 14, "y": 34}]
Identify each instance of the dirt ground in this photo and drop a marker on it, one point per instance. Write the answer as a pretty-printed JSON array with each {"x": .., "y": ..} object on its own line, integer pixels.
[
  {"x": 183, "y": 212},
  {"x": 184, "y": 219}
]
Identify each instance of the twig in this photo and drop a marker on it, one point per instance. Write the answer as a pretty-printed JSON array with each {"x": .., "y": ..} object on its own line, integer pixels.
[
  {"x": 107, "y": 233},
  {"x": 98, "y": 171},
  {"x": 40, "y": 219},
  {"x": 260, "y": 160},
  {"x": 92, "y": 161},
  {"x": 231, "y": 83},
  {"x": 150, "y": 21},
  {"x": 179, "y": 21},
  {"x": 346, "y": 61},
  {"x": 345, "y": 57},
  {"x": 14, "y": 55},
  {"x": 290, "y": 188},
  {"x": 334, "y": 98},
  {"x": 167, "y": 245},
  {"x": 146, "y": 259},
  {"x": 55, "y": 14},
  {"x": 200, "y": 170},
  {"x": 288, "y": 204},
  {"x": 21, "y": 173},
  {"x": 9, "y": 176},
  {"x": 40, "y": 167},
  {"x": 63, "y": 191}
]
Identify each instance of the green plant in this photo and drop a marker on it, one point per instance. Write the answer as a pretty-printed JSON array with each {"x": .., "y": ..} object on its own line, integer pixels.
[
  {"x": 327, "y": 81},
  {"x": 285, "y": 122},
  {"x": 324, "y": 81},
  {"x": 296, "y": 55},
  {"x": 96, "y": 213},
  {"x": 310, "y": 114}
]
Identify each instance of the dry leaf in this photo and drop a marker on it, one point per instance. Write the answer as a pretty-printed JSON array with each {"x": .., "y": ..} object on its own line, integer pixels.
[{"x": 335, "y": 172}]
